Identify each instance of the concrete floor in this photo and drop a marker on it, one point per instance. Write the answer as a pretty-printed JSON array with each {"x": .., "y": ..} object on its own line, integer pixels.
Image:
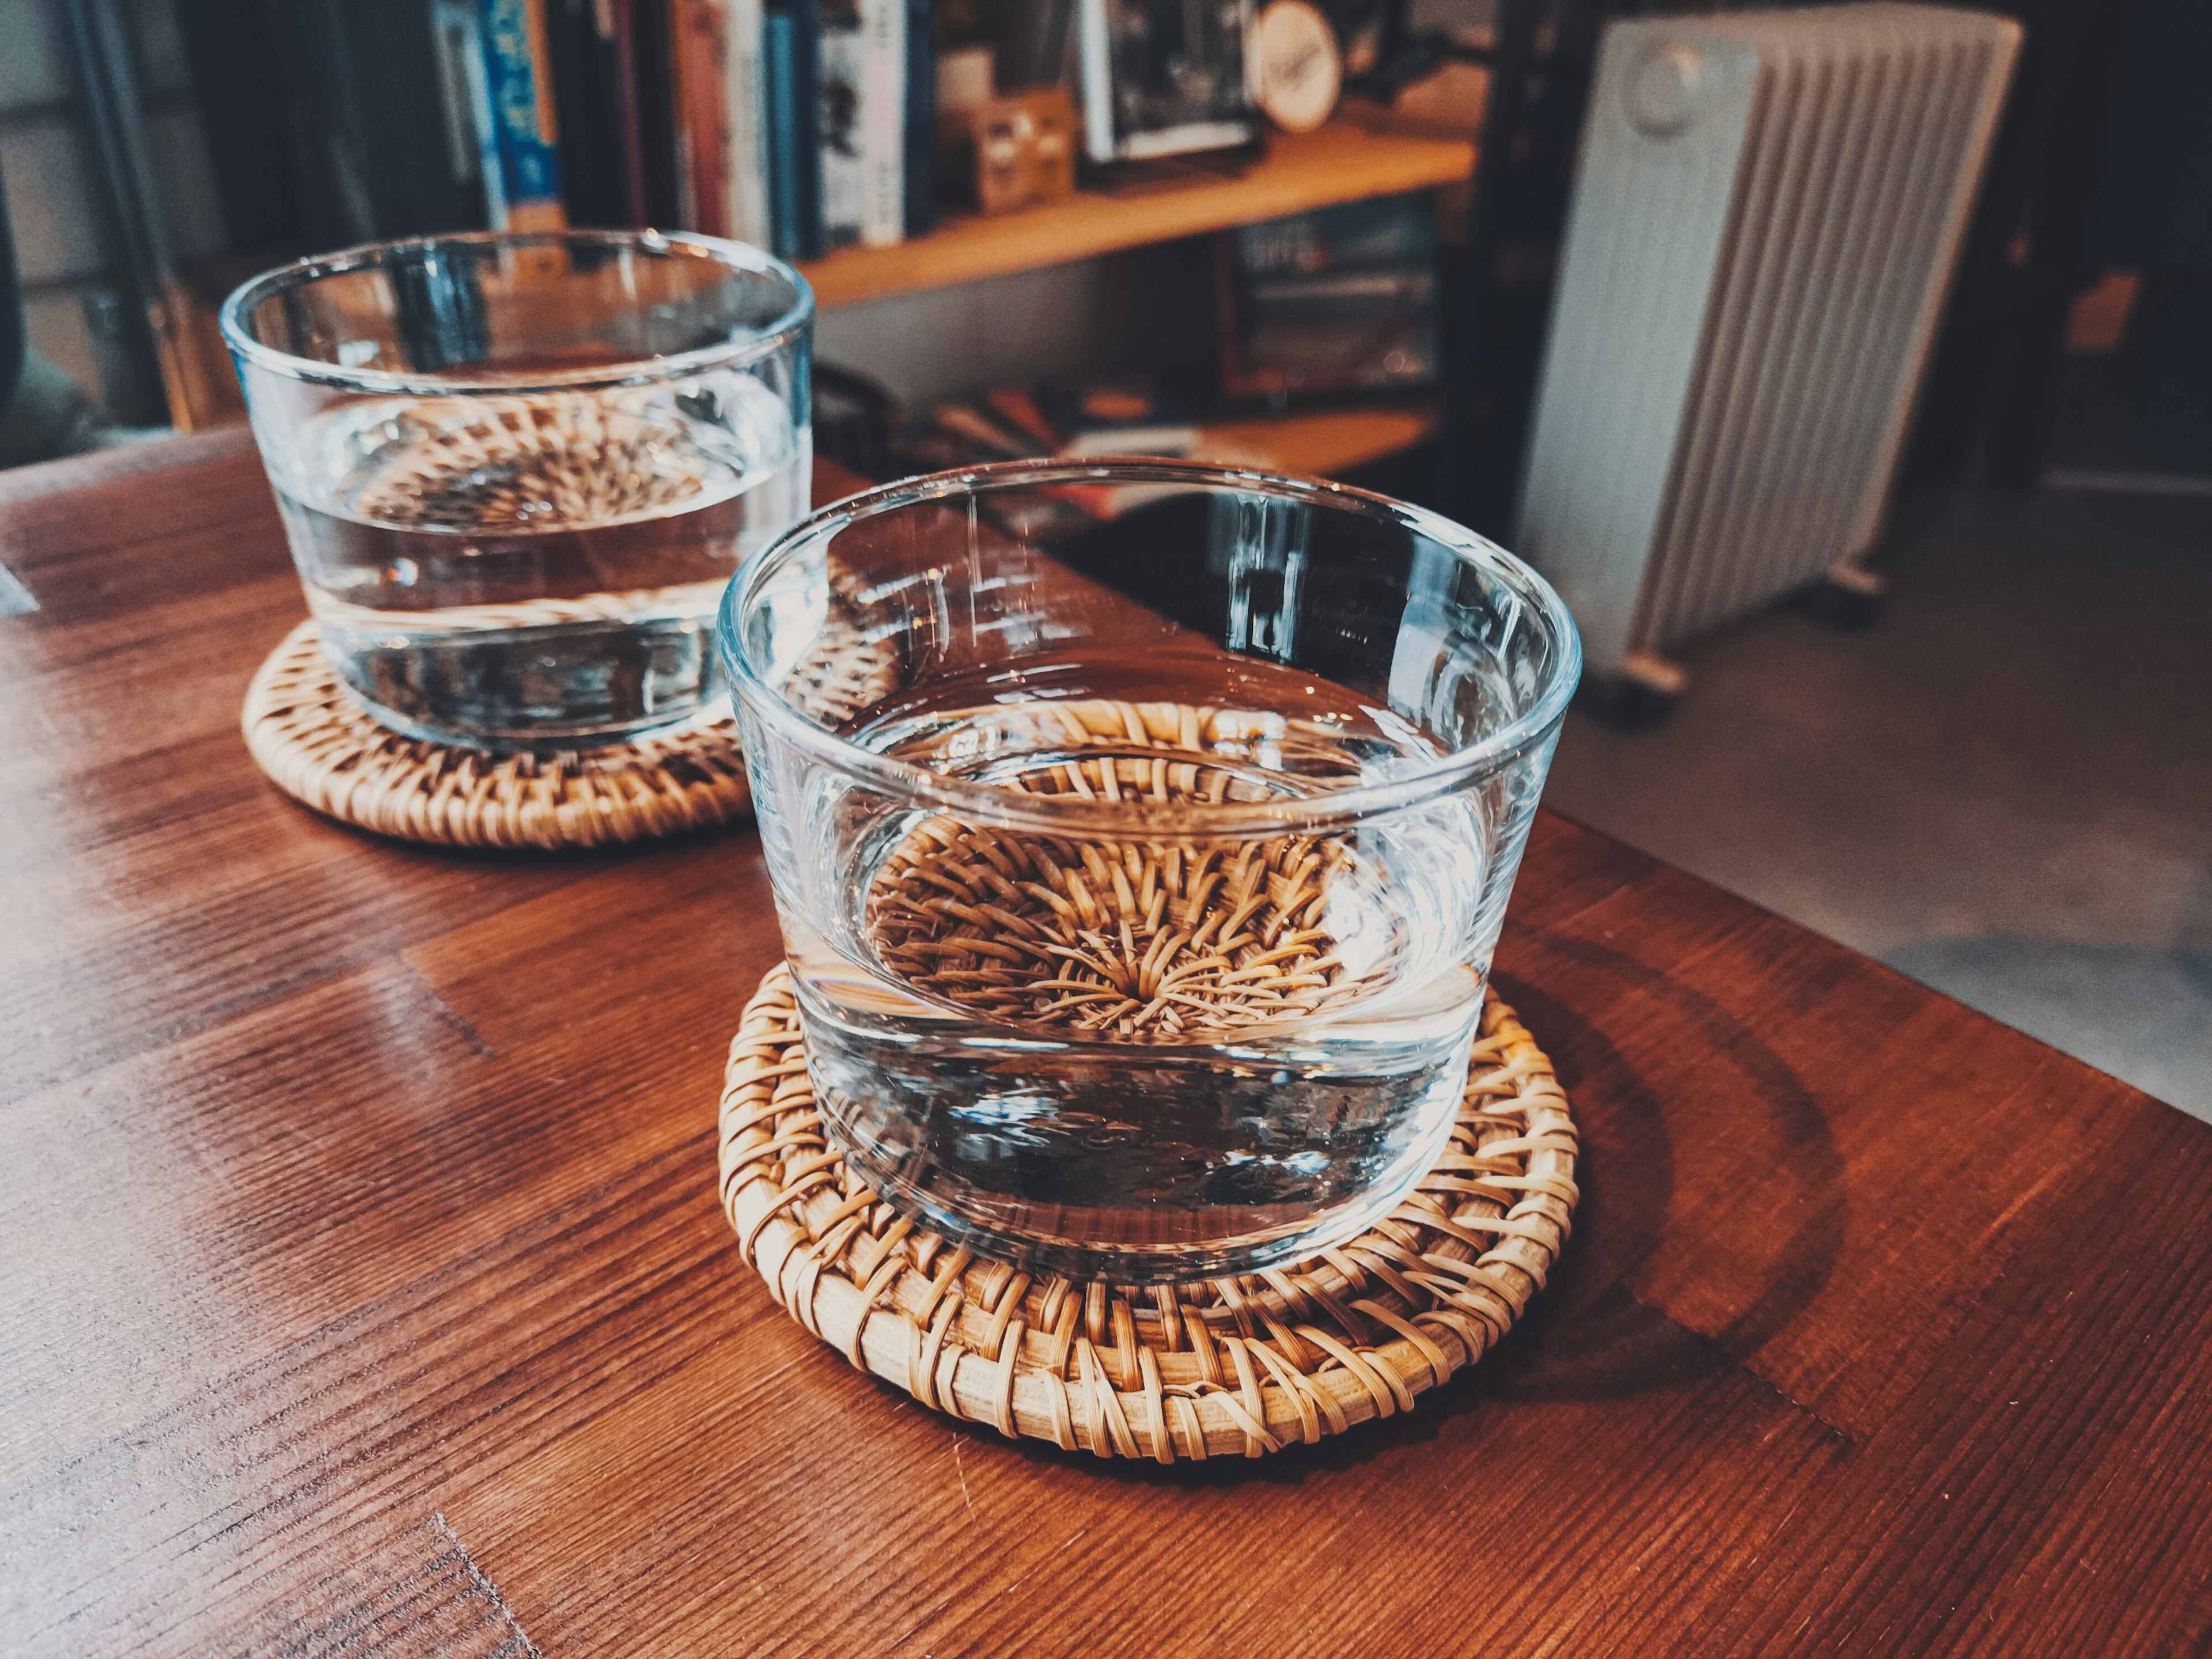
[{"x": 2004, "y": 788}]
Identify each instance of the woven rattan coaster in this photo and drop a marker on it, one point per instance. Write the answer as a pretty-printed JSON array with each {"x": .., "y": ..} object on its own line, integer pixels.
[
  {"x": 318, "y": 747},
  {"x": 321, "y": 750},
  {"x": 1227, "y": 1366}
]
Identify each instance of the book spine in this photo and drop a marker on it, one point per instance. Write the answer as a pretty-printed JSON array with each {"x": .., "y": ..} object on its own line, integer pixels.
[
  {"x": 806, "y": 127},
  {"x": 584, "y": 94},
  {"x": 700, "y": 32},
  {"x": 519, "y": 80},
  {"x": 463, "y": 22},
  {"x": 748, "y": 125},
  {"x": 778, "y": 51},
  {"x": 454, "y": 41},
  {"x": 920, "y": 113},
  {"x": 842, "y": 150},
  {"x": 883, "y": 122},
  {"x": 1094, "y": 42},
  {"x": 622, "y": 36},
  {"x": 653, "y": 85}
]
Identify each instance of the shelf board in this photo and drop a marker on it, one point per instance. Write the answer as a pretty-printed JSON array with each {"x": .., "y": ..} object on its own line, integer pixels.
[
  {"x": 1325, "y": 444},
  {"x": 1340, "y": 163}
]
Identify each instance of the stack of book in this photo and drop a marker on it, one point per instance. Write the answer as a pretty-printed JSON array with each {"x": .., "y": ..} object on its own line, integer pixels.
[
  {"x": 798, "y": 125},
  {"x": 1335, "y": 302}
]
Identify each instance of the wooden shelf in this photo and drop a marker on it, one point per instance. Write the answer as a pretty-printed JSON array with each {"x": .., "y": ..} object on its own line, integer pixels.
[
  {"x": 1340, "y": 163},
  {"x": 1326, "y": 444}
]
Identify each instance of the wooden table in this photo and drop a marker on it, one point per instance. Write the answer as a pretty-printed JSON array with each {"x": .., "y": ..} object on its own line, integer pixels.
[{"x": 365, "y": 1288}]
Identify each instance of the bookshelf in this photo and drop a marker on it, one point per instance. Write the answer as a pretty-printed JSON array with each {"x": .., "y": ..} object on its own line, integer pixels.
[{"x": 1340, "y": 163}]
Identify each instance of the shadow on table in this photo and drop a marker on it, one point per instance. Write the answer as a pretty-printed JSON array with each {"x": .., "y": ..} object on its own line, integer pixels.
[{"x": 1592, "y": 1334}]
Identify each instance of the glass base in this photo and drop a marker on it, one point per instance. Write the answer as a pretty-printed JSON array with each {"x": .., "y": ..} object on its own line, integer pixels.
[
  {"x": 706, "y": 712},
  {"x": 1231, "y": 1254}
]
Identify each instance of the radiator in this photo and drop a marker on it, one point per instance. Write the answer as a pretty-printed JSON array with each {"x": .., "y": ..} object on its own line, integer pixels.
[{"x": 1766, "y": 212}]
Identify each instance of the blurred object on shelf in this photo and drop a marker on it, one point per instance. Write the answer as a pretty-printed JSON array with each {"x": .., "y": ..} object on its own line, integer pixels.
[
  {"x": 1078, "y": 407},
  {"x": 1025, "y": 149},
  {"x": 1141, "y": 414},
  {"x": 1036, "y": 45},
  {"x": 1389, "y": 231},
  {"x": 854, "y": 419},
  {"x": 1295, "y": 66},
  {"x": 1164, "y": 77},
  {"x": 1338, "y": 301},
  {"x": 965, "y": 82},
  {"x": 2098, "y": 321},
  {"x": 1447, "y": 101},
  {"x": 1367, "y": 32}
]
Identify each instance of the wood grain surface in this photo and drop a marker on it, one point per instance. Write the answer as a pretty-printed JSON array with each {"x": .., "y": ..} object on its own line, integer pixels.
[{"x": 362, "y": 1287}]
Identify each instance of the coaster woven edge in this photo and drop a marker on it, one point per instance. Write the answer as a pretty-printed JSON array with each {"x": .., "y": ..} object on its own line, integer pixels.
[
  {"x": 1286, "y": 1355},
  {"x": 311, "y": 741}
]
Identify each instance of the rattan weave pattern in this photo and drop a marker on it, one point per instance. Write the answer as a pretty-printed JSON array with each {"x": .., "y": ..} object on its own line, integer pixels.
[
  {"x": 322, "y": 751},
  {"x": 1227, "y": 1366}
]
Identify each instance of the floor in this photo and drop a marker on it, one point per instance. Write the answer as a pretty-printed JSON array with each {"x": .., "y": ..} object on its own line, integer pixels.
[{"x": 2003, "y": 788}]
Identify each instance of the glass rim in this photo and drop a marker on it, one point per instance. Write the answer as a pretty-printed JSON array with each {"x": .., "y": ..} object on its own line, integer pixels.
[
  {"x": 738, "y": 255},
  {"x": 1335, "y": 809}
]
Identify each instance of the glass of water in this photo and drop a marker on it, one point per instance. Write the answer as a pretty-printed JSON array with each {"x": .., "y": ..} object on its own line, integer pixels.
[
  {"x": 517, "y": 469},
  {"x": 1140, "y": 833}
]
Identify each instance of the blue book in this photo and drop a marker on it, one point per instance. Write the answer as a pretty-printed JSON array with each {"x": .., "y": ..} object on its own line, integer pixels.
[
  {"x": 522, "y": 168},
  {"x": 794, "y": 134},
  {"x": 920, "y": 113}
]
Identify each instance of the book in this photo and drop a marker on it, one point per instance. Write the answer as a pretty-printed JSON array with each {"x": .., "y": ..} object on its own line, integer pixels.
[
  {"x": 920, "y": 138},
  {"x": 1341, "y": 300},
  {"x": 698, "y": 69},
  {"x": 652, "y": 63},
  {"x": 722, "y": 93},
  {"x": 634, "y": 197},
  {"x": 883, "y": 122},
  {"x": 602, "y": 177},
  {"x": 1389, "y": 230},
  {"x": 464, "y": 104},
  {"x": 791, "y": 45},
  {"x": 747, "y": 84},
  {"x": 842, "y": 132},
  {"x": 525, "y": 158},
  {"x": 1162, "y": 78},
  {"x": 352, "y": 173}
]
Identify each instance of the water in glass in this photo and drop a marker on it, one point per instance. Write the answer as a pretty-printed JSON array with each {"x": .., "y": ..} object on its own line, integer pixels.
[
  {"x": 1177, "y": 1052},
  {"x": 542, "y": 567}
]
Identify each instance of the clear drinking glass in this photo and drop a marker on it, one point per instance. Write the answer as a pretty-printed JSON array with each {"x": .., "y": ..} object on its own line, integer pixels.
[
  {"x": 517, "y": 470},
  {"x": 1140, "y": 833}
]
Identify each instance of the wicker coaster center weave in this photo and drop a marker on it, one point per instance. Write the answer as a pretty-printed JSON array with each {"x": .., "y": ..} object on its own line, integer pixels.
[
  {"x": 1228, "y": 1366},
  {"x": 1149, "y": 941}
]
